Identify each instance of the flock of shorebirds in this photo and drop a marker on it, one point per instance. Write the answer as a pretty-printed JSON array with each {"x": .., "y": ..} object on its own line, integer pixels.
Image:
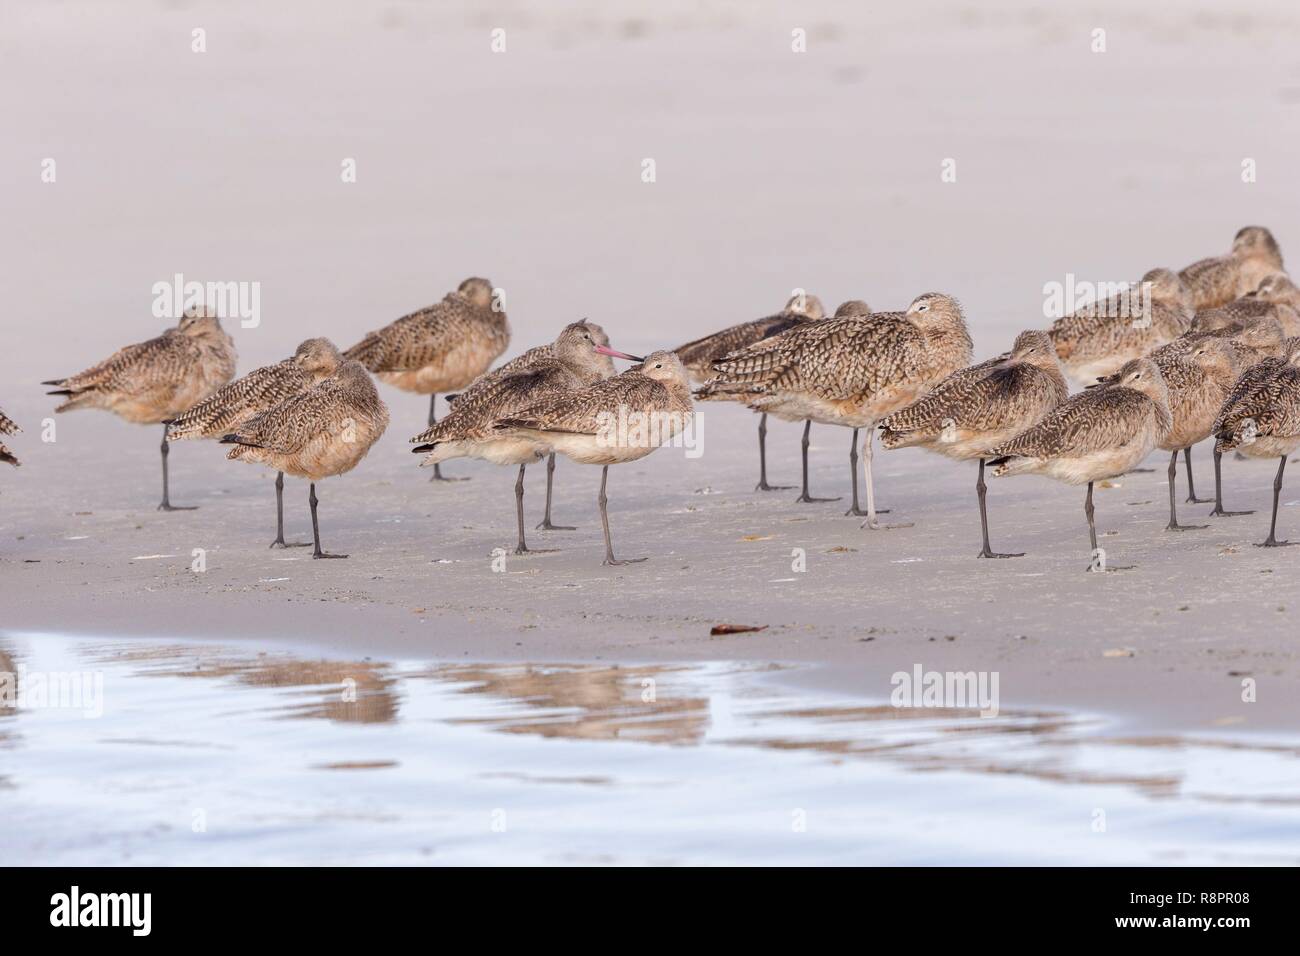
[{"x": 1211, "y": 351}]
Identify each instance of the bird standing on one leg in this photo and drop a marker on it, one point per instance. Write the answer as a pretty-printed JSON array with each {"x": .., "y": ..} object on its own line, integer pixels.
[
  {"x": 982, "y": 406},
  {"x": 1100, "y": 433},
  {"x": 439, "y": 349},
  {"x": 152, "y": 382}
]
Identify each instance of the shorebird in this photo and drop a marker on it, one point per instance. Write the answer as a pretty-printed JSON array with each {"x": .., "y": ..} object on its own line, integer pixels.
[
  {"x": 572, "y": 361},
  {"x": 615, "y": 420},
  {"x": 982, "y": 406},
  {"x": 852, "y": 370},
  {"x": 324, "y": 430},
  {"x": 1219, "y": 280},
  {"x": 8, "y": 427},
  {"x": 1261, "y": 419},
  {"x": 520, "y": 363},
  {"x": 1198, "y": 381},
  {"x": 1097, "y": 339},
  {"x": 440, "y": 349},
  {"x": 1099, "y": 433},
  {"x": 152, "y": 382},
  {"x": 228, "y": 408},
  {"x": 1252, "y": 340},
  {"x": 698, "y": 357}
]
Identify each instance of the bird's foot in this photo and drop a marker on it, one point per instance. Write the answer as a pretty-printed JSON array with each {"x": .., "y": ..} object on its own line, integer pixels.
[
  {"x": 809, "y": 499},
  {"x": 547, "y": 526},
  {"x": 1272, "y": 542},
  {"x": 764, "y": 486},
  {"x": 326, "y": 554},
  {"x": 986, "y": 553},
  {"x": 168, "y": 506},
  {"x": 1193, "y": 500},
  {"x": 856, "y": 512},
  {"x": 1220, "y": 513},
  {"x": 612, "y": 562},
  {"x": 281, "y": 543},
  {"x": 525, "y": 550},
  {"x": 1174, "y": 526},
  {"x": 1099, "y": 569}
]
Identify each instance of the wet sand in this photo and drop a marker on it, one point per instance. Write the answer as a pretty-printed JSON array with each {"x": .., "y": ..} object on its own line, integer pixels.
[{"x": 774, "y": 170}]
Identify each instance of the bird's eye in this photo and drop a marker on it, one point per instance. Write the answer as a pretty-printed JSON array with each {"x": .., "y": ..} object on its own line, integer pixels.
[{"x": 658, "y": 365}]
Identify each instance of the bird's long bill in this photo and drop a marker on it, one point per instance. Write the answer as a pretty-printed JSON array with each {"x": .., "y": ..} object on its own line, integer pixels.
[{"x": 604, "y": 350}]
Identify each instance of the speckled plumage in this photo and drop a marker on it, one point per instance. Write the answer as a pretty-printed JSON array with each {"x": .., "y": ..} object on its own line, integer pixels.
[
  {"x": 1253, "y": 339},
  {"x": 1098, "y": 433},
  {"x": 156, "y": 380},
  {"x": 552, "y": 371},
  {"x": 699, "y": 355},
  {"x": 1096, "y": 340},
  {"x": 1261, "y": 415},
  {"x": 441, "y": 348},
  {"x": 1239, "y": 311},
  {"x": 1220, "y": 279},
  {"x": 851, "y": 370},
  {"x": 7, "y": 427},
  {"x": 324, "y": 430},
  {"x": 573, "y": 423},
  {"x": 982, "y": 405},
  {"x": 262, "y": 389}
]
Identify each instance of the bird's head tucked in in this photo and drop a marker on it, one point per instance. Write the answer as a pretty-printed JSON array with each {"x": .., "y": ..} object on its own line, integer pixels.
[{"x": 317, "y": 357}]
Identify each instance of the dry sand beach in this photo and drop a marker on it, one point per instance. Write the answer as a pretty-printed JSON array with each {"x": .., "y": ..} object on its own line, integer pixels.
[{"x": 774, "y": 170}]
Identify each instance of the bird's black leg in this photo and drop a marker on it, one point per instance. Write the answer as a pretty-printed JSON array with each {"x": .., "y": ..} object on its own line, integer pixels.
[
  {"x": 166, "y": 502},
  {"x": 315, "y": 526},
  {"x": 1098, "y": 556},
  {"x": 550, "y": 484},
  {"x": 1271, "y": 541},
  {"x": 981, "y": 489},
  {"x": 279, "y": 516},
  {"x": 1173, "y": 511},
  {"x": 805, "y": 497},
  {"x": 762, "y": 459},
  {"x": 1218, "y": 511},
  {"x": 433, "y": 420},
  {"x": 603, "y": 501},
  {"x": 1191, "y": 484}
]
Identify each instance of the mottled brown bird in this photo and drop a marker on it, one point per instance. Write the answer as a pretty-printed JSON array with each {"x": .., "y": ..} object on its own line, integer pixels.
[
  {"x": 230, "y": 406},
  {"x": 616, "y": 420},
  {"x": 1096, "y": 340},
  {"x": 572, "y": 361},
  {"x": 982, "y": 406},
  {"x": 324, "y": 430},
  {"x": 1198, "y": 381},
  {"x": 1099, "y": 433},
  {"x": 853, "y": 370},
  {"x": 522, "y": 362},
  {"x": 699, "y": 355},
  {"x": 152, "y": 382},
  {"x": 1218, "y": 280},
  {"x": 440, "y": 349},
  {"x": 8, "y": 427},
  {"x": 1261, "y": 419}
]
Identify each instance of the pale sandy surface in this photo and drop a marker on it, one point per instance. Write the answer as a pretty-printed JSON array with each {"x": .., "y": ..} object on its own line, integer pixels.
[{"x": 775, "y": 170}]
